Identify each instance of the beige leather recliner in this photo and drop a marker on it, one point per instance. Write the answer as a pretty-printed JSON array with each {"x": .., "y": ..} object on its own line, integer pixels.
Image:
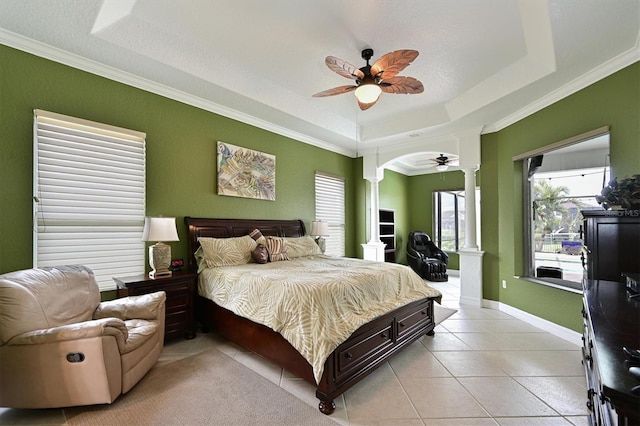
[{"x": 61, "y": 347}]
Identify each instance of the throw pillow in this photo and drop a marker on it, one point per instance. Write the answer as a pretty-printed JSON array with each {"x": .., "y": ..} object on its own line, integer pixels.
[
  {"x": 260, "y": 254},
  {"x": 258, "y": 237},
  {"x": 277, "y": 248}
]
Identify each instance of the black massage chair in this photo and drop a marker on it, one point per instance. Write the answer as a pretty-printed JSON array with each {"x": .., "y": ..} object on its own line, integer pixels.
[{"x": 426, "y": 258}]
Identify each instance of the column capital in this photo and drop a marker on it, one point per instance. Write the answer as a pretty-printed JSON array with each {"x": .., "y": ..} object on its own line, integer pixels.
[{"x": 371, "y": 170}]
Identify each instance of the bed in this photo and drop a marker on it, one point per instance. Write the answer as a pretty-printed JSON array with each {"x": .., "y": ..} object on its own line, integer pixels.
[{"x": 369, "y": 346}]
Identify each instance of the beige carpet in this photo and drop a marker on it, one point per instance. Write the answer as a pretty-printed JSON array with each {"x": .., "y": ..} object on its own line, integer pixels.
[
  {"x": 209, "y": 388},
  {"x": 441, "y": 313}
]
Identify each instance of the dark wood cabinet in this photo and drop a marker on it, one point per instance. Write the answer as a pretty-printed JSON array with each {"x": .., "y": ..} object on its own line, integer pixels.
[
  {"x": 179, "y": 288},
  {"x": 611, "y": 322},
  {"x": 612, "y": 243},
  {"x": 611, "y": 315}
]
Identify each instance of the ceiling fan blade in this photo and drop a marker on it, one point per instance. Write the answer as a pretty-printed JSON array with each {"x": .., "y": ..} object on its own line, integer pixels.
[
  {"x": 365, "y": 107},
  {"x": 343, "y": 68},
  {"x": 390, "y": 64},
  {"x": 404, "y": 85},
  {"x": 335, "y": 91}
]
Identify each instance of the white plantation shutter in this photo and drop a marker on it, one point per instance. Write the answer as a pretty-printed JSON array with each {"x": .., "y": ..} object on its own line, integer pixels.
[
  {"x": 89, "y": 196},
  {"x": 330, "y": 208}
]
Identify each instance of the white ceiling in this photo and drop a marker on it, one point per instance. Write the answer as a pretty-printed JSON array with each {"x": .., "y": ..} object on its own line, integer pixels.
[{"x": 484, "y": 64}]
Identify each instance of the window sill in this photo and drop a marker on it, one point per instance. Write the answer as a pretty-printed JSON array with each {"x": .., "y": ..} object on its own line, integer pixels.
[{"x": 570, "y": 286}]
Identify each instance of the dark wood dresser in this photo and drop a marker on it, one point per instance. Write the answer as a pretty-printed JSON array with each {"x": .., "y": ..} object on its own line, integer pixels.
[
  {"x": 612, "y": 240},
  {"x": 611, "y": 322},
  {"x": 180, "y": 289},
  {"x": 611, "y": 315}
]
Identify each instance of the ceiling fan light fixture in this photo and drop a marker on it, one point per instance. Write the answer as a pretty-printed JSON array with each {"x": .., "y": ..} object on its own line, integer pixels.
[
  {"x": 368, "y": 93},
  {"x": 442, "y": 167}
]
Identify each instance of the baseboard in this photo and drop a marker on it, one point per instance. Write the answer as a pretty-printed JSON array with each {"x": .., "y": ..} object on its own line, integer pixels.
[{"x": 541, "y": 323}]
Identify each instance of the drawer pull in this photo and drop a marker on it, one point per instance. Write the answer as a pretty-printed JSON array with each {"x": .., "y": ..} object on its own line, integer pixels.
[
  {"x": 348, "y": 355},
  {"x": 424, "y": 312},
  {"x": 383, "y": 335},
  {"x": 401, "y": 324}
]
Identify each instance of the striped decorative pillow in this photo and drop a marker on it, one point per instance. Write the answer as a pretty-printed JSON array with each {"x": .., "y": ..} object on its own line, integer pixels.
[
  {"x": 258, "y": 237},
  {"x": 277, "y": 248}
]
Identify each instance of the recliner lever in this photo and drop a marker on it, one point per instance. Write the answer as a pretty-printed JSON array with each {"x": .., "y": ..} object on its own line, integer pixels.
[{"x": 75, "y": 357}]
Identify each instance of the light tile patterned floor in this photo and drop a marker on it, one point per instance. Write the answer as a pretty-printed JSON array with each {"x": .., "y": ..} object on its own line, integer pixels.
[{"x": 482, "y": 367}]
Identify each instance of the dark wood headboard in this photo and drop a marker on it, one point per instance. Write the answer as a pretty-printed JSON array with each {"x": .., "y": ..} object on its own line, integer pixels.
[{"x": 225, "y": 228}]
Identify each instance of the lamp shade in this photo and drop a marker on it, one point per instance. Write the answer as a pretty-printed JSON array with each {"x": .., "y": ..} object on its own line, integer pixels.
[
  {"x": 442, "y": 167},
  {"x": 319, "y": 228},
  {"x": 368, "y": 92},
  {"x": 160, "y": 229}
]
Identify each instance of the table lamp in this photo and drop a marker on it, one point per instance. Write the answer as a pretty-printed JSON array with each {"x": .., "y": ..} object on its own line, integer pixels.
[{"x": 160, "y": 229}]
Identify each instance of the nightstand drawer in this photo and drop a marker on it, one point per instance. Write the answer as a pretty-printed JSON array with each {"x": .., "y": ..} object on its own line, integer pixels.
[
  {"x": 179, "y": 303},
  {"x": 178, "y": 289}
]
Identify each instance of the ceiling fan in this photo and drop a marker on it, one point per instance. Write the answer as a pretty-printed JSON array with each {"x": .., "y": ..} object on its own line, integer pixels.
[
  {"x": 440, "y": 163},
  {"x": 371, "y": 80}
]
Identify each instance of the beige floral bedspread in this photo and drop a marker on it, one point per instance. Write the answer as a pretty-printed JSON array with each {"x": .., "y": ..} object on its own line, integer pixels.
[{"x": 315, "y": 302}]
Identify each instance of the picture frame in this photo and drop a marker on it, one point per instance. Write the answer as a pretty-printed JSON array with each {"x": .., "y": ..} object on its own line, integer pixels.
[{"x": 244, "y": 172}]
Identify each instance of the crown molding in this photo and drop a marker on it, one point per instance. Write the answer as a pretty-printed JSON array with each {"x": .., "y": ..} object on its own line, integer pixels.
[
  {"x": 621, "y": 61},
  {"x": 73, "y": 60}
]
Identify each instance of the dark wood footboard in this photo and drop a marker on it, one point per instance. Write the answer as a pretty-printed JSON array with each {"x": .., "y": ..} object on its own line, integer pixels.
[{"x": 367, "y": 348}]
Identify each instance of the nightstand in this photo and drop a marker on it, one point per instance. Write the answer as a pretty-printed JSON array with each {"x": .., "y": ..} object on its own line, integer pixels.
[{"x": 180, "y": 288}]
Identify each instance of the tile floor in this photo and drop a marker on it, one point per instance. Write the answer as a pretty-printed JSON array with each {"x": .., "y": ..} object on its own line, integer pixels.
[{"x": 482, "y": 367}]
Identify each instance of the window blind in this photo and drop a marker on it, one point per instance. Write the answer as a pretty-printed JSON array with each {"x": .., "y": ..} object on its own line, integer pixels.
[
  {"x": 89, "y": 196},
  {"x": 330, "y": 209}
]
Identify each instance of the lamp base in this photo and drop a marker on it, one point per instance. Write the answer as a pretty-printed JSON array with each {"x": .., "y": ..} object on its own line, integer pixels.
[
  {"x": 159, "y": 260},
  {"x": 322, "y": 243},
  {"x": 160, "y": 274}
]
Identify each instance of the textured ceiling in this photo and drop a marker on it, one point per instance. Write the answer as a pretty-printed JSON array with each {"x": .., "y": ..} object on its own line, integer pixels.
[{"x": 484, "y": 64}]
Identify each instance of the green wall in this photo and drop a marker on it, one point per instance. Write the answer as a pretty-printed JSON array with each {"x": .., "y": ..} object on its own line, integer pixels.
[
  {"x": 181, "y": 153},
  {"x": 613, "y": 101}
]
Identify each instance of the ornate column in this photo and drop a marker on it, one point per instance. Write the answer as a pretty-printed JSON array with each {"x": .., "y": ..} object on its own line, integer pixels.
[
  {"x": 470, "y": 240},
  {"x": 470, "y": 255}
]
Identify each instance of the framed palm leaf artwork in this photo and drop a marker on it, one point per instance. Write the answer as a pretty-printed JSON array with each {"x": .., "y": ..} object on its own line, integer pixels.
[{"x": 246, "y": 173}]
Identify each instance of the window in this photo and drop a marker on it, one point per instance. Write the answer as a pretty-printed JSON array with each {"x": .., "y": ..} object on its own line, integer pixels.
[
  {"x": 449, "y": 219},
  {"x": 330, "y": 208},
  {"x": 89, "y": 196},
  {"x": 559, "y": 182},
  {"x": 448, "y": 229}
]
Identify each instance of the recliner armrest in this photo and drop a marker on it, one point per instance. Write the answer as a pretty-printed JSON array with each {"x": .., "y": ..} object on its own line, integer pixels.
[
  {"x": 77, "y": 331},
  {"x": 145, "y": 306}
]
